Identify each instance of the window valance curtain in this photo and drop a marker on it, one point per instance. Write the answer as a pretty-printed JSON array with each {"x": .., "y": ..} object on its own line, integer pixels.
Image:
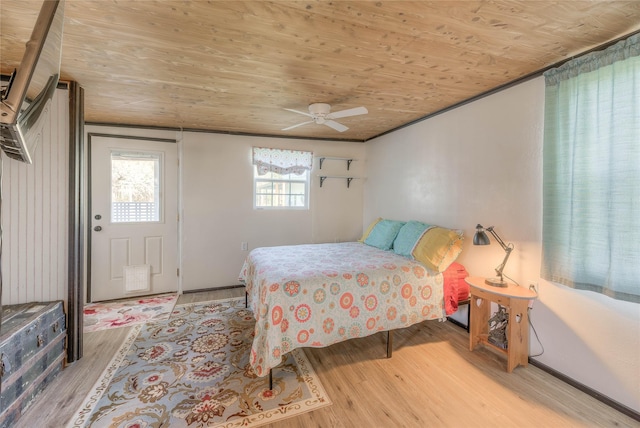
[
  {"x": 282, "y": 161},
  {"x": 591, "y": 172}
]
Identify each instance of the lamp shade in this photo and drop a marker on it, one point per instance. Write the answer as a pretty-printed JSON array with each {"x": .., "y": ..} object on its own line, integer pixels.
[{"x": 480, "y": 238}]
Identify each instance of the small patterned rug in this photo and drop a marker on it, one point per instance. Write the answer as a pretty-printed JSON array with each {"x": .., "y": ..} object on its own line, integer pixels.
[
  {"x": 193, "y": 371},
  {"x": 104, "y": 315}
]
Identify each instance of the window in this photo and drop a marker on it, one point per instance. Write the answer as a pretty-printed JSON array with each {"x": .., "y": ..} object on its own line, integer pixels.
[
  {"x": 281, "y": 178},
  {"x": 274, "y": 190},
  {"x": 591, "y": 157},
  {"x": 135, "y": 187}
]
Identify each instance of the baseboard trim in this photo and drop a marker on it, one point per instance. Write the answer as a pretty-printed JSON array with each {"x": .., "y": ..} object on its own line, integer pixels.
[
  {"x": 592, "y": 392},
  {"x": 458, "y": 323},
  {"x": 200, "y": 290}
]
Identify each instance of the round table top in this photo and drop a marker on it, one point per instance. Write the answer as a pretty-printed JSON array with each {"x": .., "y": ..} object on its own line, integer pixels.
[{"x": 511, "y": 290}]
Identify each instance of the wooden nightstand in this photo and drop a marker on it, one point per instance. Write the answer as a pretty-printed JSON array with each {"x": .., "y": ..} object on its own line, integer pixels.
[{"x": 516, "y": 300}]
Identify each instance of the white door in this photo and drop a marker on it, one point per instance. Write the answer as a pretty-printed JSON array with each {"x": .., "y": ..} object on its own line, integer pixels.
[{"x": 134, "y": 225}]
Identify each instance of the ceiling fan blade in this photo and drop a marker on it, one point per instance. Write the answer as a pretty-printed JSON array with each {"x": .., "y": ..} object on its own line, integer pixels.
[
  {"x": 299, "y": 124},
  {"x": 349, "y": 112},
  {"x": 335, "y": 125},
  {"x": 299, "y": 112}
]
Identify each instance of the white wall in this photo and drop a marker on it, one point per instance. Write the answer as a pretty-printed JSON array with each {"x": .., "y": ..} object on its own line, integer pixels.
[
  {"x": 482, "y": 163},
  {"x": 35, "y": 213},
  {"x": 216, "y": 198},
  {"x": 217, "y": 202}
]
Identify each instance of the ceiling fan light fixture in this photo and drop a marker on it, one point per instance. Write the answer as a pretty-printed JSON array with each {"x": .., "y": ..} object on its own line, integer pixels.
[
  {"x": 321, "y": 115},
  {"x": 320, "y": 109}
]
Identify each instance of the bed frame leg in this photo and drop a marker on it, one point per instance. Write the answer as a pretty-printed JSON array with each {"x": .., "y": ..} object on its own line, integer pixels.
[
  {"x": 246, "y": 299},
  {"x": 270, "y": 379},
  {"x": 389, "y": 343}
]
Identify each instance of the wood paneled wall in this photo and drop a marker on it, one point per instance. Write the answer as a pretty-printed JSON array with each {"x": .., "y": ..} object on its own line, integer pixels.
[{"x": 35, "y": 214}]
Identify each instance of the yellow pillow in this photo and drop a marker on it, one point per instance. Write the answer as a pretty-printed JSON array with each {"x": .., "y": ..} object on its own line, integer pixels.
[
  {"x": 369, "y": 229},
  {"x": 438, "y": 247}
]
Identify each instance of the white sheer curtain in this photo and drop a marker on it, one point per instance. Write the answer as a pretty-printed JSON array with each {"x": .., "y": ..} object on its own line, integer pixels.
[
  {"x": 591, "y": 190},
  {"x": 282, "y": 161}
]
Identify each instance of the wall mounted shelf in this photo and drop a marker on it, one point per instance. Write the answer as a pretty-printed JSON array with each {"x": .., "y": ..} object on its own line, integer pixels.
[
  {"x": 348, "y": 160},
  {"x": 349, "y": 179}
]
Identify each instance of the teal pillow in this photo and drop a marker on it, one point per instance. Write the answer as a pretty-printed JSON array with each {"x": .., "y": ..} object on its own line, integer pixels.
[
  {"x": 408, "y": 236},
  {"x": 383, "y": 234}
]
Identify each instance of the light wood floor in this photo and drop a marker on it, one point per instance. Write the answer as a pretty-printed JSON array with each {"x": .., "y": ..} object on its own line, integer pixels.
[{"x": 431, "y": 381}]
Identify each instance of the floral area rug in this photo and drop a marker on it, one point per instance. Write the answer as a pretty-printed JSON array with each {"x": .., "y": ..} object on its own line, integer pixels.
[
  {"x": 103, "y": 315},
  {"x": 192, "y": 370}
]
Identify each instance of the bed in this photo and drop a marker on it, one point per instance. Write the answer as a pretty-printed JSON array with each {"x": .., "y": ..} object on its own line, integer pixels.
[{"x": 316, "y": 295}]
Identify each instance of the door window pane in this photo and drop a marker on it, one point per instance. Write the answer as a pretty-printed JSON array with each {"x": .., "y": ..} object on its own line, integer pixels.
[{"x": 135, "y": 187}]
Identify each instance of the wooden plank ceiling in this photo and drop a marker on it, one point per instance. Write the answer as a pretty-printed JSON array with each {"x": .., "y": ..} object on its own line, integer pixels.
[{"x": 233, "y": 66}]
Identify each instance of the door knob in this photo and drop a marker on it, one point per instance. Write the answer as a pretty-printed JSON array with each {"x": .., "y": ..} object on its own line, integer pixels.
[{"x": 97, "y": 228}]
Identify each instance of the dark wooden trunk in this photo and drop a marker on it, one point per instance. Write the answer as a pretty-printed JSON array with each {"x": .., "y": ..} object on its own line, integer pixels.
[{"x": 32, "y": 353}]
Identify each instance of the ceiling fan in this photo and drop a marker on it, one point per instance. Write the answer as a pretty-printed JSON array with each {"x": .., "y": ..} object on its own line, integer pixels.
[{"x": 320, "y": 113}]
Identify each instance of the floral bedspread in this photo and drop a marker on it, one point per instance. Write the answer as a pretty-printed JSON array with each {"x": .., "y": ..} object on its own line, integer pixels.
[{"x": 320, "y": 294}]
